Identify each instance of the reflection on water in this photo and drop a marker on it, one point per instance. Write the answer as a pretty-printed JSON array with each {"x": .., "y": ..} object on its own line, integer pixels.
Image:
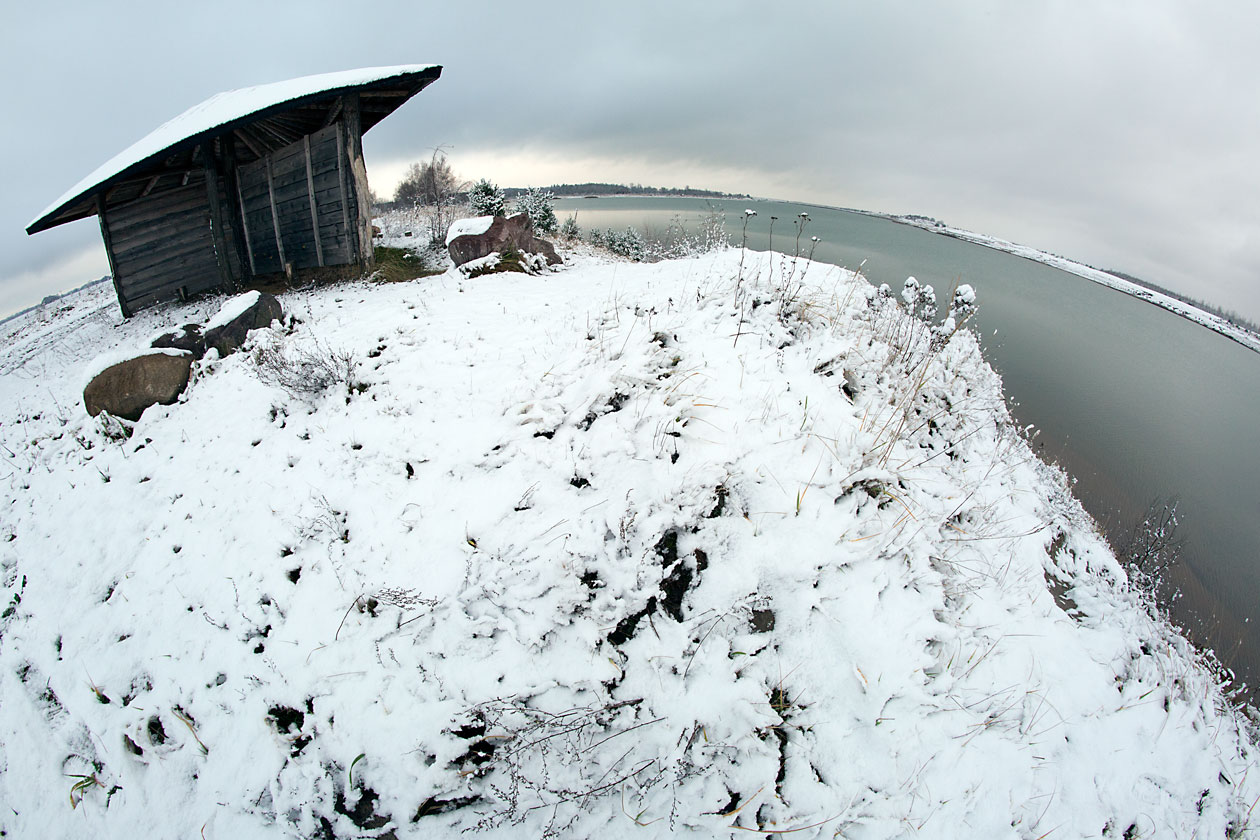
[{"x": 1136, "y": 403}]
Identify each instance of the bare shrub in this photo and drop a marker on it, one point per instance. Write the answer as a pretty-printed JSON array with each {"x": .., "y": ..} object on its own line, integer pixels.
[
  {"x": 530, "y": 759},
  {"x": 306, "y": 372}
]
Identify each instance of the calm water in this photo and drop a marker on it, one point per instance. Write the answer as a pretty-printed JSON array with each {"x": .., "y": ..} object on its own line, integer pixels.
[{"x": 1136, "y": 403}]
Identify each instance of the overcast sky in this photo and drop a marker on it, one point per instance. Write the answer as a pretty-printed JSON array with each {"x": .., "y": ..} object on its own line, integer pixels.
[{"x": 1122, "y": 134}]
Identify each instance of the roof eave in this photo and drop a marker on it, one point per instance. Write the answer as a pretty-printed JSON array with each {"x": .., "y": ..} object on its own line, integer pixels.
[{"x": 72, "y": 210}]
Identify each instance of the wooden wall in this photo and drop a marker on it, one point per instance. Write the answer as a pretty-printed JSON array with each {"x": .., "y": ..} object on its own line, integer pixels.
[
  {"x": 303, "y": 206},
  {"x": 161, "y": 246},
  {"x": 297, "y": 205}
]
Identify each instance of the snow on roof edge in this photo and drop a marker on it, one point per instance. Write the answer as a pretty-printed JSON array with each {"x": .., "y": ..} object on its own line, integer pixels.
[{"x": 220, "y": 109}]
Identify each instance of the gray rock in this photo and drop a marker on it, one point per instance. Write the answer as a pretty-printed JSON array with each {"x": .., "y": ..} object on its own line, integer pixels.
[
  {"x": 517, "y": 231},
  {"x": 227, "y": 338},
  {"x": 127, "y": 388},
  {"x": 187, "y": 337}
]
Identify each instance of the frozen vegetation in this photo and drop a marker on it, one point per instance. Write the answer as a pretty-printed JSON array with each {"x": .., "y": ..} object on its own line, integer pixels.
[{"x": 696, "y": 547}]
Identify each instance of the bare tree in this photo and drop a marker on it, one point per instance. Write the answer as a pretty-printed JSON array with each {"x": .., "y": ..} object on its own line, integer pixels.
[
  {"x": 433, "y": 186},
  {"x": 430, "y": 184}
]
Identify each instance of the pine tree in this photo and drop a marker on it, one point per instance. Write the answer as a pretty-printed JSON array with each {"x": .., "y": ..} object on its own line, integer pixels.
[
  {"x": 486, "y": 199},
  {"x": 537, "y": 204}
]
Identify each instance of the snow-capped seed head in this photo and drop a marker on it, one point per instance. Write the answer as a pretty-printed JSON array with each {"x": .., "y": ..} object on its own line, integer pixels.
[
  {"x": 910, "y": 292},
  {"x": 927, "y": 303},
  {"x": 750, "y": 212}
]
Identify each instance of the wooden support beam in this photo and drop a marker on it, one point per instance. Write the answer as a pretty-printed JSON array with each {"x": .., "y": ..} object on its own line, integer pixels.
[
  {"x": 310, "y": 193},
  {"x": 216, "y": 222},
  {"x": 333, "y": 113},
  {"x": 362, "y": 217},
  {"x": 231, "y": 187},
  {"x": 275, "y": 219},
  {"x": 244, "y": 138},
  {"x": 149, "y": 186},
  {"x": 109, "y": 253},
  {"x": 249, "y": 247},
  {"x": 341, "y": 185}
]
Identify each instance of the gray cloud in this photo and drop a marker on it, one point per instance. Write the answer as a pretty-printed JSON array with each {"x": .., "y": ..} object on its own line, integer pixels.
[{"x": 1120, "y": 134}]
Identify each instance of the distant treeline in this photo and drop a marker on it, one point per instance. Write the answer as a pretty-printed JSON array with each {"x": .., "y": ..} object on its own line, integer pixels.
[
  {"x": 571, "y": 190},
  {"x": 1227, "y": 314}
]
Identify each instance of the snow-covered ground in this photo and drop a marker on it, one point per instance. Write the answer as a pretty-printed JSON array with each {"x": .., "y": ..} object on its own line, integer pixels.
[
  {"x": 1186, "y": 310},
  {"x": 620, "y": 550}
]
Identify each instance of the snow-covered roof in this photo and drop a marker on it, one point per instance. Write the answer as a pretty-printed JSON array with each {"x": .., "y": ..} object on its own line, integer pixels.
[{"x": 217, "y": 115}]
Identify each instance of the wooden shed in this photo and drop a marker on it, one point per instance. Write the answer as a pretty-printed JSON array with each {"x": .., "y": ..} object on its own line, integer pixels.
[{"x": 248, "y": 185}]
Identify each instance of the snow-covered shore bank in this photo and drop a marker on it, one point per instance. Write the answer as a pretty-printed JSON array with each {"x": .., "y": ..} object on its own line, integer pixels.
[
  {"x": 621, "y": 550},
  {"x": 1213, "y": 322}
]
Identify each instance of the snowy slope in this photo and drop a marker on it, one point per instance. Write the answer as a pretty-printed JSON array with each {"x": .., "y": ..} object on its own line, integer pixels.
[{"x": 631, "y": 550}]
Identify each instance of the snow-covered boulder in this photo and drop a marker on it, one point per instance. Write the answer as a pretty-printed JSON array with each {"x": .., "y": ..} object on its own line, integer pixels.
[
  {"x": 227, "y": 330},
  {"x": 188, "y": 337},
  {"x": 469, "y": 239},
  {"x": 126, "y": 386}
]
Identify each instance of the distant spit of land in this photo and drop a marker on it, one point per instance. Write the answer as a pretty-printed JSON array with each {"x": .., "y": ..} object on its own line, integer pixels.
[{"x": 600, "y": 190}]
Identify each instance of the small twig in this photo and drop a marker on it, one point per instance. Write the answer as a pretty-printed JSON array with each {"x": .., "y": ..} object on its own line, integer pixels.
[{"x": 347, "y": 615}]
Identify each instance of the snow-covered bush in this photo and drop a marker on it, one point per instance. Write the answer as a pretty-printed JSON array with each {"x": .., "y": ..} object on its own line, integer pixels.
[
  {"x": 960, "y": 311},
  {"x": 627, "y": 243},
  {"x": 305, "y": 372},
  {"x": 536, "y": 203},
  {"x": 569, "y": 229},
  {"x": 920, "y": 300},
  {"x": 486, "y": 199},
  {"x": 677, "y": 240}
]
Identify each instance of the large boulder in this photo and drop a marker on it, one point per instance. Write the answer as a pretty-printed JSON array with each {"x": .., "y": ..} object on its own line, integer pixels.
[
  {"x": 126, "y": 387},
  {"x": 472, "y": 239},
  {"x": 226, "y": 331},
  {"x": 187, "y": 337}
]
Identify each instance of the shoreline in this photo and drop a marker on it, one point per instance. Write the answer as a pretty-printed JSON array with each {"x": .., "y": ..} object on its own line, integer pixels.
[{"x": 1215, "y": 323}]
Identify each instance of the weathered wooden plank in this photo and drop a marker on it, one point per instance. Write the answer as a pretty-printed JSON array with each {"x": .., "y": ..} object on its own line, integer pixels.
[
  {"x": 155, "y": 225},
  {"x": 256, "y": 204},
  {"x": 217, "y": 225},
  {"x": 275, "y": 219},
  {"x": 155, "y": 236},
  {"x": 172, "y": 241},
  {"x": 109, "y": 253},
  {"x": 252, "y": 176},
  {"x": 342, "y": 167},
  {"x": 289, "y": 192},
  {"x": 170, "y": 286},
  {"x": 175, "y": 272},
  {"x": 328, "y": 189},
  {"x": 158, "y": 227},
  {"x": 244, "y": 229},
  {"x": 297, "y": 234},
  {"x": 361, "y": 212},
  {"x": 330, "y": 221},
  {"x": 333, "y": 113},
  {"x": 324, "y": 151},
  {"x": 151, "y": 210},
  {"x": 160, "y": 250},
  {"x": 185, "y": 249},
  {"x": 145, "y": 210},
  {"x": 290, "y": 168}
]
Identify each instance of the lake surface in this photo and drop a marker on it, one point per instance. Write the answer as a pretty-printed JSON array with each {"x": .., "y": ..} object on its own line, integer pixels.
[{"x": 1136, "y": 403}]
